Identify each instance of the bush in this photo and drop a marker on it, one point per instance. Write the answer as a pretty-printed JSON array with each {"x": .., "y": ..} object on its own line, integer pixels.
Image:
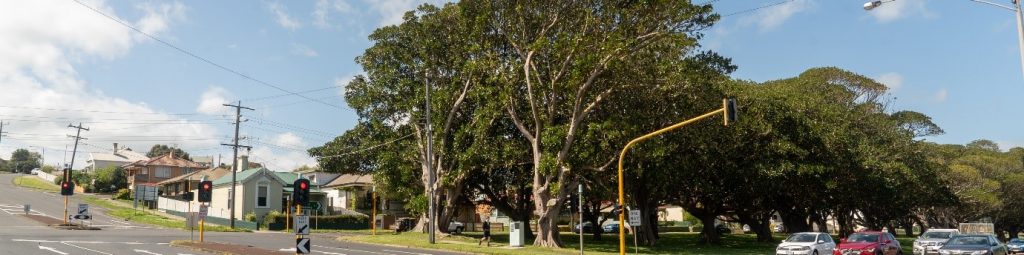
[
  {"x": 123, "y": 194},
  {"x": 327, "y": 222},
  {"x": 251, "y": 216}
]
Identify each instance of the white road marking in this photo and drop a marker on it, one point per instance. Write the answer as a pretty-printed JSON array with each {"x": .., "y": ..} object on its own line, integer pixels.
[
  {"x": 83, "y": 242},
  {"x": 415, "y": 253},
  {"x": 345, "y": 249},
  {"x": 287, "y": 249},
  {"x": 147, "y": 252},
  {"x": 83, "y": 248},
  {"x": 331, "y": 253},
  {"x": 52, "y": 249}
]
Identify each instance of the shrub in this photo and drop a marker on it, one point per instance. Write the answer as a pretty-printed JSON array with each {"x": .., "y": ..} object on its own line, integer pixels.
[
  {"x": 123, "y": 194},
  {"x": 251, "y": 216},
  {"x": 327, "y": 222}
]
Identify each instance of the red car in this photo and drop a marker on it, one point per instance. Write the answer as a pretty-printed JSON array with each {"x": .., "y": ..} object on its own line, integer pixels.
[{"x": 869, "y": 243}]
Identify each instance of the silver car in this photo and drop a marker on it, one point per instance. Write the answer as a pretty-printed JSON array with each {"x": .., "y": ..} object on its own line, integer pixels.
[
  {"x": 806, "y": 243},
  {"x": 931, "y": 240}
]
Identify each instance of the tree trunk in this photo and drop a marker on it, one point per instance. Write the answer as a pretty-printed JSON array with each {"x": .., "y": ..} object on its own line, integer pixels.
[
  {"x": 547, "y": 228},
  {"x": 592, "y": 214},
  {"x": 1013, "y": 230},
  {"x": 763, "y": 230},
  {"x": 795, "y": 220},
  {"x": 908, "y": 227},
  {"x": 708, "y": 233}
]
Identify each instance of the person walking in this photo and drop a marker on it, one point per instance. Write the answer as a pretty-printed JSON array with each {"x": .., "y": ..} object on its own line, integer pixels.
[{"x": 487, "y": 234}]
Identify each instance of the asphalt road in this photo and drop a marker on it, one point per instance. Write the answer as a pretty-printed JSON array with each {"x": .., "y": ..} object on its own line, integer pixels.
[{"x": 20, "y": 235}]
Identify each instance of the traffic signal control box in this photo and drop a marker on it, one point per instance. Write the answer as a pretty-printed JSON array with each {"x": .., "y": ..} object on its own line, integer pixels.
[{"x": 205, "y": 191}]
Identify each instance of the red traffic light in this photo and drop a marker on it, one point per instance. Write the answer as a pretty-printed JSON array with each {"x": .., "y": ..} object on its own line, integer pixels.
[
  {"x": 65, "y": 185},
  {"x": 302, "y": 185},
  {"x": 206, "y": 186}
]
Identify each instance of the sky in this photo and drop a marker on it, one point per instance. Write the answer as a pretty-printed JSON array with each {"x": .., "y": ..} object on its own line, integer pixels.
[{"x": 954, "y": 60}]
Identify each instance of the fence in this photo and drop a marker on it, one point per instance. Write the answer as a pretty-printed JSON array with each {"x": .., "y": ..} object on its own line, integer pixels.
[
  {"x": 46, "y": 176},
  {"x": 168, "y": 205},
  {"x": 219, "y": 221}
]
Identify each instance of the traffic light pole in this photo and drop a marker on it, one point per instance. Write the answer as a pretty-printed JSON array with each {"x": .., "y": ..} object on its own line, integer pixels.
[
  {"x": 373, "y": 214},
  {"x": 202, "y": 225},
  {"x": 729, "y": 112},
  {"x": 298, "y": 212}
]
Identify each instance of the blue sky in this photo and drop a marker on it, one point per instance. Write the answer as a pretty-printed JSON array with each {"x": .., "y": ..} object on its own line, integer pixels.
[{"x": 954, "y": 60}]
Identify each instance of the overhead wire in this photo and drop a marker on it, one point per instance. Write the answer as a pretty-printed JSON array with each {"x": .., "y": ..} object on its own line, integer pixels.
[
  {"x": 366, "y": 149},
  {"x": 758, "y": 8},
  {"x": 200, "y": 58}
]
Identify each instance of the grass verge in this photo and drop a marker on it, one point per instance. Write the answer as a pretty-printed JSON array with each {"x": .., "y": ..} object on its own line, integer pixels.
[
  {"x": 670, "y": 243},
  {"x": 114, "y": 209},
  {"x": 33, "y": 182}
]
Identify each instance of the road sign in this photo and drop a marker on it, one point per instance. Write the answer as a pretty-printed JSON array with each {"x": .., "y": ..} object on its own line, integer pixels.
[
  {"x": 83, "y": 209},
  {"x": 301, "y": 225},
  {"x": 202, "y": 211},
  {"x": 314, "y": 205},
  {"x": 81, "y": 217},
  {"x": 634, "y": 218},
  {"x": 302, "y": 245}
]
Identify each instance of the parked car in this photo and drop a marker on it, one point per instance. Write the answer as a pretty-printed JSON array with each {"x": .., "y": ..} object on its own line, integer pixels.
[
  {"x": 869, "y": 243},
  {"x": 1015, "y": 246},
  {"x": 806, "y": 243},
  {"x": 611, "y": 228},
  {"x": 931, "y": 240},
  {"x": 456, "y": 227},
  {"x": 986, "y": 244},
  {"x": 587, "y": 228}
]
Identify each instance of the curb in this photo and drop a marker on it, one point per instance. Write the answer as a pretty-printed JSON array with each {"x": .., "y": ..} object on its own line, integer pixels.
[{"x": 339, "y": 239}]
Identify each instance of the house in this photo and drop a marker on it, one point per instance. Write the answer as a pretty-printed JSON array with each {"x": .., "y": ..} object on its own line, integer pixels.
[
  {"x": 158, "y": 169},
  {"x": 175, "y": 187},
  {"x": 259, "y": 191},
  {"x": 315, "y": 194},
  {"x": 350, "y": 193},
  {"x": 121, "y": 156},
  {"x": 205, "y": 161}
]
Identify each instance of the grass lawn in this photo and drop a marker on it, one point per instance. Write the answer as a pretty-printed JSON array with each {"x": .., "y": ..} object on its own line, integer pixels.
[
  {"x": 118, "y": 210},
  {"x": 35, "y": 183},
  {"x": 670, "y": 243}
]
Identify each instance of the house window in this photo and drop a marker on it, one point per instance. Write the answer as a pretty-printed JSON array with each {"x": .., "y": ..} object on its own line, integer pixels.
[
  {"x": 261, "y": 195},
  {"x": 163, "y": 172}
]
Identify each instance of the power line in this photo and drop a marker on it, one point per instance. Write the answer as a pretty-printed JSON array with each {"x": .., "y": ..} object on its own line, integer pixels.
[
  {"x": 754, "y": 9},
  {"x": 365, "y": 149},
  {"x": 186, "y": 52},
  {"x": 300, "y": 92},
  {"x": 91, "y": 111}
]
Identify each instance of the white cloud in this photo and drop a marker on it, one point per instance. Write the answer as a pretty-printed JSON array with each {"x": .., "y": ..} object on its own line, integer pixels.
[
  {"x": 772, "y": 17},
  {"x": 391, "y": 11},
  {"x": 941, "y": 95},
  {"x": 282, "y": 16},
  {"x": 43, "y": 40},
  {"x": 892, "y": 80},
  {"x": 158, "y": 17},
  {"x": 285, "y": 152},
  {"x": 895, "y": 10},
  {"x": 212, "y": 101},
  {"x": 323, "y": 9},
  {"x": 303, "y": 50}
]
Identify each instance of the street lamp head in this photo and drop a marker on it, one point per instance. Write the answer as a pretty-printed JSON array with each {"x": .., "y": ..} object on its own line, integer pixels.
[{"x": 871, "y": 5}]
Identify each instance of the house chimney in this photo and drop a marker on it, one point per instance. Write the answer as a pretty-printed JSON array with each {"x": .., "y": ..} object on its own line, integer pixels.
[
  {"x": 243, "y": 162},
  {"x": 172, "y": 153},
  {"x": 115, "y": 148}
]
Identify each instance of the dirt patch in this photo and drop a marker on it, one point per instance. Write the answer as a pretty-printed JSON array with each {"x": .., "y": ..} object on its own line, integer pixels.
[
  {"x": 225, "y": 248},
  {"x": 46, "y": 220}
]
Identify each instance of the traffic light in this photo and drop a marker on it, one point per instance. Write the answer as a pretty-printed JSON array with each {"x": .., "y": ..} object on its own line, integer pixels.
[
  {"x": 300, "y": 195},
  {"x": 730, "y": 110},
  {"x": 205, "y": 191},
  {"x": 187, "y": 196},
  {"x": 67, "y": 188}
]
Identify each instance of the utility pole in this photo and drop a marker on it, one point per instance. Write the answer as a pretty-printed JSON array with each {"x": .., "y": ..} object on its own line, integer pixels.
[
  {"x": 2, "y": 132},
  {"x": 234, "y": 182},
  {"x": 432, "y": 227},
  {"x": 67, "y": 171}
]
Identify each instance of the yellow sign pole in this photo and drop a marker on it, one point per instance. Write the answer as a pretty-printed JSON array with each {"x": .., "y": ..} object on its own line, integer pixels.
[
  {"x": 202, "y": 225},
  {"x": 65, "y": 210},
  {"x": 728, "y": 109},
  {"x": 298, "y": 211}
]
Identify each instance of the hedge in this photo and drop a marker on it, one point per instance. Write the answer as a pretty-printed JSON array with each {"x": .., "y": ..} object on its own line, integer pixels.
[{"x": 324, "y": 222}]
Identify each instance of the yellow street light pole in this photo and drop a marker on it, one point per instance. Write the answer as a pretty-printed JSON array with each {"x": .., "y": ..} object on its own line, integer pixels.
[{"x": 729, "y": 113}]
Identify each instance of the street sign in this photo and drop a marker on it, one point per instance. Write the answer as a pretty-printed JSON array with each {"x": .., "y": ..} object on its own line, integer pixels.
[
  {"x": 150, "y": 194},
  {"x": 314, "y": 205},
  {"x": 301, "y": 225},
  {"x": 302, "y": 245},
  {"x": 202, "y": 211},
  {"x": 83, "y": 209},
  {"x": 81, "y": 217},
  {"x": 634, "y": 218}
]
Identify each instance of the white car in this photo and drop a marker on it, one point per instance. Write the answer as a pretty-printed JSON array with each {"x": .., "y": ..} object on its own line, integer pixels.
[
  {"x": 931, "y": 240},
  {"x": 806, "y": 243}
]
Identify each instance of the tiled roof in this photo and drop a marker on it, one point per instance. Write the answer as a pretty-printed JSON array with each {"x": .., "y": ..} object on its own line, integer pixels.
[
  {"x": 167, "y": 160},
  {"x": 211, "y": 174},
  {"x": 127, "y": 156},
  {"x": 351, "y": 180}
]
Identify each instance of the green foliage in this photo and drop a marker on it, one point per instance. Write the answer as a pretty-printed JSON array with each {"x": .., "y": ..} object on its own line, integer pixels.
[
  {"x": 417, "y": 205},
  {"x": 123, "y": 194},
  {"x": 49, "y": 169},
  {"x": 110, "y": 179},
  {"x": 251, "y": 216},
  {"x": 23, "y": 161},
  {"x": 161, "y": 149},
  {"x": 327, "y": 222}
]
